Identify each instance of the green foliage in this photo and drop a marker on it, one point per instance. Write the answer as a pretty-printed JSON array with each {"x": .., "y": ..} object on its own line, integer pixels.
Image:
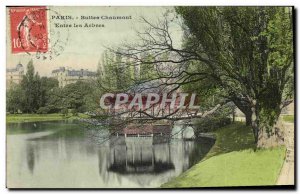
[
  {"x": 73, "y": 96},
  {"x": 147, "y": 71},
  {"x": 31, "y": 87},
  {"x": 43, "y": 110},
  {"x": 14, "y": 99},
  {"x": 210, "y": 123},
  {"x": 74, "y": 112},
  {"x": 42, "y": 95},
  {"x": 32, "y": 94},
  {"x": 248, "y": 53},
  {"x": 117, "y": 73},
  {"x": 64, "y": 112}
]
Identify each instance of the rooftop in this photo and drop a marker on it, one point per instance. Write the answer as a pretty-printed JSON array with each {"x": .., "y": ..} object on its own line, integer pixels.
[
  {"x": 71, "y": 72},
  {"x": 17, "y": 68}
]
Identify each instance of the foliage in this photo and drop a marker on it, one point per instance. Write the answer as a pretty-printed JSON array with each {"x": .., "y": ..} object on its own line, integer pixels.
[
  {"x": 43, "y": 110},
  {"x": 31, "y": 86},
  {"x": 74, "y": 95},
  {"x": 42, "y": 95},
  {"x": 117, "y": 73},
  {"x": 248, "y": 53},
  {"x": 64, "y": 112},
  {"x": 14, "y": 99},
  {"x": 215, "y": 121}
]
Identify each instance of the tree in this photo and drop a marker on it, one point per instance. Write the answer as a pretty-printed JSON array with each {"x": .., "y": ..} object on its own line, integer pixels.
[
  {"x": 251, "y": 53},
  {"x": 47, "y": 86},
  {"x": 247, "y": 53},
  {"x": 75, "y": 96},
  {"x": 31, "y": 86},
  {"x": 117, "y": 73},
  {"x": 54, "y": 102},
  {"x": 14, "y": 99},
  {"x": 47, "y": 91}
]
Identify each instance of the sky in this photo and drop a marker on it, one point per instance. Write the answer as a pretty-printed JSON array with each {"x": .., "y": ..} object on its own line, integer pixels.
[{"x": 85, "y": 46}]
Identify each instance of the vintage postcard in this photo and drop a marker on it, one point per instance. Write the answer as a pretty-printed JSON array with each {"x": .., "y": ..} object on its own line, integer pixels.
[{"x": 150, "y": 97}]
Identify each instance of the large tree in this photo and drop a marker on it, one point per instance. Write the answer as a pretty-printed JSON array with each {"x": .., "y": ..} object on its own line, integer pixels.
[
  {"x": 31, "y": 86},
  {"x": 250, "y": 50},
  {"x": 246, "y": 52}
]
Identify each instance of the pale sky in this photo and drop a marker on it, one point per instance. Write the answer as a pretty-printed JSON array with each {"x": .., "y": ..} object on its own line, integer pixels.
[{"x": 85, "y": 45}]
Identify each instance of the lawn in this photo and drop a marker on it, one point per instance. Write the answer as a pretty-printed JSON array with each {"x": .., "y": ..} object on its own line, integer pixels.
[
  {"x": 288, "y": 118},
  {"x": 234, "y": 137},
  {"x": 233, "y": 162},
  {"x": 17, "y": 118}
]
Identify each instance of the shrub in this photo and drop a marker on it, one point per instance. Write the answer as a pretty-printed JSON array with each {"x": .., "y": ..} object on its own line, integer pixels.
[
  {"x": 211, "y": 123},
  {"x": 74, "y": 112},
  {"x": 43, "y": 110},
  {"x": 64, "y": 111}
]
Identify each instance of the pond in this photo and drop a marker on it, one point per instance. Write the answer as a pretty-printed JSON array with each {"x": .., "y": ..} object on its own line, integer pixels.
[{"x": 65, "y": 154}]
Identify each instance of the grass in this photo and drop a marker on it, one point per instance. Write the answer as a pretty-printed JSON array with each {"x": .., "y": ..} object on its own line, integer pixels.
[
  {"x": 243, "y": 168},
  {"x": 232, "y": 161},
  {"x": 288, "y": 118},
  {"x": 234, "y": 137},
  {"x": 18, "y": 118}
]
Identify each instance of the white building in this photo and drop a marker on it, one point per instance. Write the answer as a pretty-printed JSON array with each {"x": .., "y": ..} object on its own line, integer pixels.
[
  {"x": 14, "y": 75},
  {"x": 67, "y": 76}
]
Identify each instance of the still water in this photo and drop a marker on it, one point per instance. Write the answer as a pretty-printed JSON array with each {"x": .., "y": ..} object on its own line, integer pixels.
[{"x": 64, "y": 154}]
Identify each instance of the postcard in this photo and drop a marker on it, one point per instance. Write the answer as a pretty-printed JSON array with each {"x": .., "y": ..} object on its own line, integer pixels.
[{"x": 150, "y": 97}]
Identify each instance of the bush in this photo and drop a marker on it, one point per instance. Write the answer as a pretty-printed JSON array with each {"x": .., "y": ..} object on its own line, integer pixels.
[
  {"x": 211, "y": 123},
  {"x": 43, "y": 110},
  {"x": 64, "y": 111},
  {"x": 74, "y": 112}
]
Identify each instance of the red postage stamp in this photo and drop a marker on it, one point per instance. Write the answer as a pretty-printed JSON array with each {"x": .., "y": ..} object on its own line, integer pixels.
[{"x": 28, "y": 29}]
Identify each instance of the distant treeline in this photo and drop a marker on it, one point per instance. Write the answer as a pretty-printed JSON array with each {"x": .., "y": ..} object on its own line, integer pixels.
[{"x": 42, "y": 95}]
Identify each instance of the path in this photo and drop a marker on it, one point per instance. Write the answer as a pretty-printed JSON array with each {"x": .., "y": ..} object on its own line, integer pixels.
[{"x": 286, "y": 176}]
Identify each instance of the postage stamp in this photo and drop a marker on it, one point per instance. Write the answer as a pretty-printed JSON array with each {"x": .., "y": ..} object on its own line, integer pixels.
[{"x": 28, "y": 29}]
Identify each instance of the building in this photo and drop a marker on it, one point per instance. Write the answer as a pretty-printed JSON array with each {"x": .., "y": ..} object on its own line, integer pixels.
[
  {"x": 67, "y": 76},
  {"x": 14, "y": 75}
]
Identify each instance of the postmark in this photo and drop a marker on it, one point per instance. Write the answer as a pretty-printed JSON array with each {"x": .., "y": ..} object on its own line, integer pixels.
[{"x": 57, "y": 38}]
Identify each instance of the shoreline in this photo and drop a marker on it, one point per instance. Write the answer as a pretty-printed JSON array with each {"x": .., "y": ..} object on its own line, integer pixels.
[
  {"x": 26, "y": 118},
  {"x": 234, "y": 148}
]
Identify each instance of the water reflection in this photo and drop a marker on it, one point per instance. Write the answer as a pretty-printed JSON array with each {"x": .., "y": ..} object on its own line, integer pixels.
[
  {"x": 30, "y": 156},
  {"x": 137, "y": 155},
  {"x": 74, "y": 157}
]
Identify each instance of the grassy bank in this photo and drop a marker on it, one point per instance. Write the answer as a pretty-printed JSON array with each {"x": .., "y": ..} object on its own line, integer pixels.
[
  {"x": 233, "y": 162},
  {"x": 17, "y": 118}
]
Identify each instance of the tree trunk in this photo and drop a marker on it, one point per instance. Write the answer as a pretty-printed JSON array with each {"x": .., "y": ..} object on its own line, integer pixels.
[
  {"x": 254, "y": 123},
  {"x": 248, "y": 116},
  {"x": 246, "y": 109},
  {"x": 265, "y": 135},
  {"x": 272, "y": 138}
]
